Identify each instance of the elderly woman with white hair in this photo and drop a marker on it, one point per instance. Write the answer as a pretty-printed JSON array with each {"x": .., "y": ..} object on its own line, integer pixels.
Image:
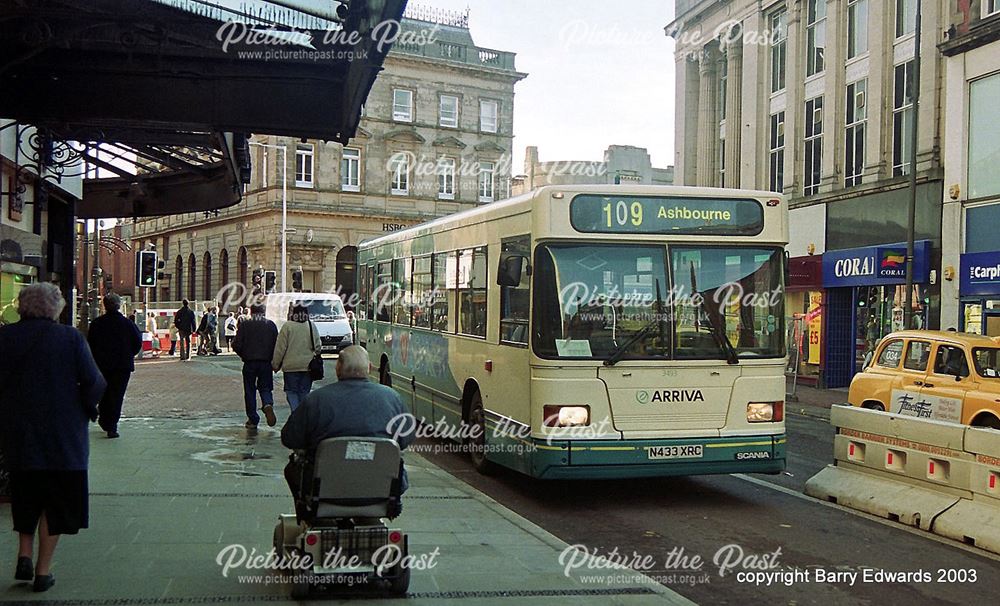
[{"x": 49, "y": 389}]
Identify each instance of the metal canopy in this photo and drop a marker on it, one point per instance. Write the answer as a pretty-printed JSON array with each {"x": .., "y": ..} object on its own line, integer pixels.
[{"x": 154, "y": 81}]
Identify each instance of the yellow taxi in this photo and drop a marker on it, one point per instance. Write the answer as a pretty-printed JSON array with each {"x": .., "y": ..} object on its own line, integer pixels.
[{"x": 948, "y": 376}]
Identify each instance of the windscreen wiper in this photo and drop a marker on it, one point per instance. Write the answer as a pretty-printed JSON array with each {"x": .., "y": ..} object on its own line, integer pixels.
[
  {"x": 719, "y": 334},
  {"x": 619, "y": 351}
]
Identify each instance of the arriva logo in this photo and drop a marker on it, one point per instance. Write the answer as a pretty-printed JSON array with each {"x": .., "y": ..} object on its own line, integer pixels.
[{"x": 669, "y": 395}]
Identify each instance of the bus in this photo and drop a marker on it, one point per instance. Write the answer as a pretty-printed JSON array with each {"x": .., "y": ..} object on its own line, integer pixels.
[{"x": 590, "y": 331}]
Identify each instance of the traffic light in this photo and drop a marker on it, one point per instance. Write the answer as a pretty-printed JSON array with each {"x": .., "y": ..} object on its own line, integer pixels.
[
  {"x": 297, "y": 280},
  {"x": 145, "y": 268},
  {"x": 269, "y": 280},
  {"x": 258, "y": 282},
  {"x": 159, "y": 267}
]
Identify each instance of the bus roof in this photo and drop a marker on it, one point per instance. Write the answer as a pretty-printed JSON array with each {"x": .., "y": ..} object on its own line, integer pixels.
[{"x": 523, "y": 203}]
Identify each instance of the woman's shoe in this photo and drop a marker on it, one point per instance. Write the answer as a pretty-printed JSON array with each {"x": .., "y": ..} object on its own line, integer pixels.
[
  {"x": 43, "y": 582},
  {"x": 24, "y": 571}
]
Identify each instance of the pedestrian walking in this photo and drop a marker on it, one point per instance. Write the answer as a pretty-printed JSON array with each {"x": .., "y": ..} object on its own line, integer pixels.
[
  {"x": 184, "y": 321},
  {"x": 230, "y": 330},
  {"x": 212, "y": 330},
  {"x": 298, "y": 342},
  {"x": 49, "y": 389},
  {"x": 203, "y": 334},
  {"x": 254, "y": 344},
  {"x": 154, "y": 339},
  {"x": 173, "y": 338},
  {"x": 114, "y": 342}
]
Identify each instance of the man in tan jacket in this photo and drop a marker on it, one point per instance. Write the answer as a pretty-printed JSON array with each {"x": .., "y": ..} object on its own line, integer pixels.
[{"x": 297, "y": 343}]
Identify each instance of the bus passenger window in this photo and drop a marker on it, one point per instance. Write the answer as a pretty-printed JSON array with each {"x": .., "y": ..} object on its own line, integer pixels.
[
  {"x": 421, "y": 298},
  {"x": 445, "y": 273},
  {"x": 382, "y": 297},
  {"x": 472, "y": 292}
]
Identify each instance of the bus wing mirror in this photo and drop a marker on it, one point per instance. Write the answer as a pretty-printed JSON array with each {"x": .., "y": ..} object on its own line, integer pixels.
[{"x": 511, "y": 267}]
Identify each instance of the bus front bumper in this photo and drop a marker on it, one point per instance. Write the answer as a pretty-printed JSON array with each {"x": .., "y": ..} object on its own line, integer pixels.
[{"x": 656, "y": 458}]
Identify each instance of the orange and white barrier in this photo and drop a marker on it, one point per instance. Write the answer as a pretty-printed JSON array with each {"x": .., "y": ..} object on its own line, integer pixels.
[{"x": 939, "y": 476}]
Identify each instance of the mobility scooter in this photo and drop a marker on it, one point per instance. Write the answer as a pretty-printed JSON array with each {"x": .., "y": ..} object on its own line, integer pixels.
[{"x": 338, "y": 537}]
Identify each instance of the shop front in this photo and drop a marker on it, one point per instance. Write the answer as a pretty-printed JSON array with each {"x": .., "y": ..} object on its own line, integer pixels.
[
  {"x": 866, "y": 294},
  {"x": 804, "y": 304},
  {"x": 979, "y": 290}
]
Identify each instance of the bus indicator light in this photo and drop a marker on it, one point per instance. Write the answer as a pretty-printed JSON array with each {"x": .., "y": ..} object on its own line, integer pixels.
[{"x": 488, "y": 366}]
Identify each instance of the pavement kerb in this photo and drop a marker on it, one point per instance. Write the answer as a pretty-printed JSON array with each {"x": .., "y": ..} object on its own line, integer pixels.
[
  {"x": 543, "y": 535},
  {"x": 813, "y": 412}
]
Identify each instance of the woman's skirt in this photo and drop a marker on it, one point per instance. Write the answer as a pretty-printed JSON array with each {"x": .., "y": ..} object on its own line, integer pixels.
[{"x": 61, "y": 495}]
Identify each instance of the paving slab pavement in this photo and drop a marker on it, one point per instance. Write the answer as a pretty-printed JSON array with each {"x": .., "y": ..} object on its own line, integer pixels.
[{"x": 171, "y": 494}]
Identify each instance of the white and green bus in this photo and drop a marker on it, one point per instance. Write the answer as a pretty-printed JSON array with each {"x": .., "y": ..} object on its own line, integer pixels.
[{"x": 590, "y": 331}]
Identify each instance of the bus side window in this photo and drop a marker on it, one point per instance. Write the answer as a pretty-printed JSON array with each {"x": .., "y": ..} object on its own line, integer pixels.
[
  {"x": 383, "y": 292},
  {"x": 515, "y": 300},
  {"x": 472, "y": 272},
  {"x": 444, "y": 271}
]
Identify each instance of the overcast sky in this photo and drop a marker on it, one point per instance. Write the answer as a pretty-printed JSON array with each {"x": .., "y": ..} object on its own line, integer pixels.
[{"x": 599, "y": 73}]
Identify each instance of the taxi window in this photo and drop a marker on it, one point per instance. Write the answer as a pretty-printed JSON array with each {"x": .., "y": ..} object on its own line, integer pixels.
[
  {"x": 987, "y": 361},
  {"x": 917, "y": 355},
  {"x": 891, "y": 354},
  {"x": 950, "y": 360}
]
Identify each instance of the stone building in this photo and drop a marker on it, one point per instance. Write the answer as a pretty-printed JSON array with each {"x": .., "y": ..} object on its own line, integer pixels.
[
  {"x": 621, "y": 164},
  {"x": 435, "y": 137},
  {"x": 814, "y": 99},
  {"x": 970, "y": 291}
]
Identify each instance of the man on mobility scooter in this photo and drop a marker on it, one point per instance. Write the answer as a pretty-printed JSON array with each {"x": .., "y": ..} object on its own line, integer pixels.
[{"x": 346, "y": 475}]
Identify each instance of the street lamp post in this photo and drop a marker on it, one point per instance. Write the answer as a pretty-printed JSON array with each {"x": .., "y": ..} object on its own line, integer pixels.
[{"x": 284, "y": 207}]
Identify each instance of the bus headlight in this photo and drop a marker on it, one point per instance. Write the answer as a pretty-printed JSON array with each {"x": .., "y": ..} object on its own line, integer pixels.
[
  {"x": 565, "y": 416},
  {"x": 765, "y": 412}
]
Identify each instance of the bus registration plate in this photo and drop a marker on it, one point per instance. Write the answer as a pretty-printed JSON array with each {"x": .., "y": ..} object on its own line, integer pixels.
[{"x": 691, "y": 451}]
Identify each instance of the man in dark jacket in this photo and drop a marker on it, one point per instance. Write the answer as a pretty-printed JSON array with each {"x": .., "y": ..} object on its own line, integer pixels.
[
  {"x": 254, "y": 344},
  {"x": 353, "y": 406},
  {"x": 184, "y": 321},
  {"x": 115, "y": 341}
]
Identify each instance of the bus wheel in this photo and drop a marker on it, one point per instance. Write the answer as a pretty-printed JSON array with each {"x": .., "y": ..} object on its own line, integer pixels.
[
  {"x": 477, "y": 443},
  {"x": 384, "y": 377}
]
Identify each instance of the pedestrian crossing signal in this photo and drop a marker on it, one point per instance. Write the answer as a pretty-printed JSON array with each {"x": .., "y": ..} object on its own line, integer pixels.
[
  {"x": 146, "y": 266},
  {"x": 269, "y": 280}
]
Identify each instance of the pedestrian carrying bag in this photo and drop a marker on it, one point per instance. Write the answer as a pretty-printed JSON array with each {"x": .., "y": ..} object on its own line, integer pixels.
[{"x": 316, "y": 364}]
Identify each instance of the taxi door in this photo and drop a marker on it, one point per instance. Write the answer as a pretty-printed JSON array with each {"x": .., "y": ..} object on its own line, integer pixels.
[
  {"x": 947, "y": 383},
  {"x": 911, "y": 377}
]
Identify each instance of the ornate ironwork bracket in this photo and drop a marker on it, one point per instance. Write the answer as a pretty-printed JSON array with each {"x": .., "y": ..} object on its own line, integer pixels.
[{"x": 39, "y": 156}]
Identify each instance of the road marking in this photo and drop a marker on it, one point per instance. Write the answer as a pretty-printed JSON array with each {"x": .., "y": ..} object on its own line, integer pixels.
[{"x": 910, "y": 529}]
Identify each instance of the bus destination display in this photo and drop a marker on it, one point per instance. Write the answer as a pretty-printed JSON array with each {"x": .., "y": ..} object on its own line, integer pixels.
[{"x": 659, "y": 215}]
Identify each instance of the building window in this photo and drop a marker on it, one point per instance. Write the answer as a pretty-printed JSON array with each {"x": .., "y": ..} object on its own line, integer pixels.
[
  {"x": 984, "y": 137},
  {"x": 722, "y": 163},
  {"x": 448, "y": 111},
  {"x": 263, "y": 167},
  {"x": 304, "y": 165},
  {"x": 815, "y": 36},
  {"x": 446, "y": 178},
  {"x": 813, "y": 145},
  {"x": 857, "y": 28},
  {"x": 902, "y": 115},
  {"x": 400, "y": 168},
  {"x": 990, "y": 7},
  {"x": 857, "y": 114},
  {"x": 779, "y": 49},
  {"x": 486, "y": 179},
  {"x": 350, "y": 170},
  {"x": 488, "y": 110},
  {"x": 776, "y": 153},
  {"x": 906, "y": 17},
  {"x": 402, "y": 105}
]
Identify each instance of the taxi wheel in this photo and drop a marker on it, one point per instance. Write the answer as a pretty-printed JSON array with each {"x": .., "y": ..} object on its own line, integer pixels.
[
  {"x": 477, "y": 443},
  {"x": 872, "y": 405},
  {"x": 986, "y": 420}
]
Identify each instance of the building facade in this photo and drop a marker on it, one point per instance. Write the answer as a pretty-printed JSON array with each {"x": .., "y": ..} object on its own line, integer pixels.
[
  {"x": 38, "y": 196},
  {"x": 815, "y": 99},
  {"x": 435, "y": 138},
  {"x": 621, "y": 164},
  {"x": 970, "y": 292}
]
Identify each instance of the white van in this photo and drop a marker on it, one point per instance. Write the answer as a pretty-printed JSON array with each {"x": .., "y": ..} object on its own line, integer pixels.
[{"x": 325, "y": 310}]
